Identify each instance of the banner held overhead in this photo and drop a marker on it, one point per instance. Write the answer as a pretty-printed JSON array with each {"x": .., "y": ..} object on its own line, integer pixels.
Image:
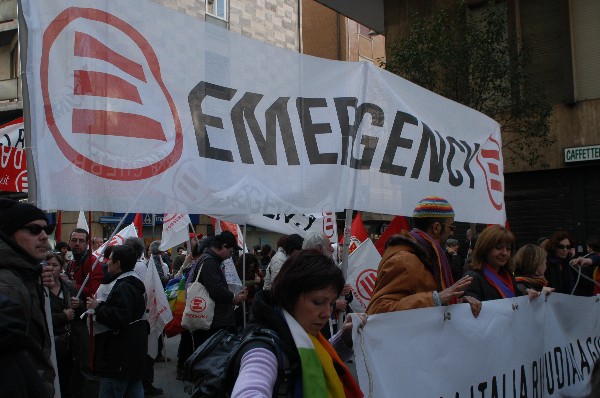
[{"x": 236, "y": 126}]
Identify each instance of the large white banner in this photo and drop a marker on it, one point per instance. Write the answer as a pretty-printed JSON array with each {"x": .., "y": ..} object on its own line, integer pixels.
[
  {"x": 515, "y": 348},
  {"x": 208, "y": 121}
]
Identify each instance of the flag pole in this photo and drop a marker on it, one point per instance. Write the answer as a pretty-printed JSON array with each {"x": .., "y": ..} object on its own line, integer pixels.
[
  {"x": 133, "y": 203},
  {"x": 345, "y": 250},
  {"x": 244, "y": 276}
]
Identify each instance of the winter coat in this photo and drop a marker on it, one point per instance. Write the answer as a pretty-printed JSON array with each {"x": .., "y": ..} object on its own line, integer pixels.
[
  {"x": 482, "y": 290},
  {"x": 403, "y": 281},
  {"x": 121, "y": 352},
  {"x": 20, "y": 280}
]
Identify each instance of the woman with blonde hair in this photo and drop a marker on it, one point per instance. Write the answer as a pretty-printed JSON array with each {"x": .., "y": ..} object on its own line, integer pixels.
[
  {"x": 530, "y": 266},
  {"x": 492, "y": 266}
]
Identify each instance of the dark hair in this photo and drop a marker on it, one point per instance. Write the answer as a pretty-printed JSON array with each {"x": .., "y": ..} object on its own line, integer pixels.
[
  {"x": 594, "y": 243},
  {"x": 126, "y": 255},
  {"x": 555, "y": 239},
  {"x": 207, "y": 241},
  {"x": 80, "y": 231},
  {"x": 303, "y": 272},
  {"x": 251, "y": 260},
  {"x": 266, "y": 250},
  {"x": 107, "y": 251},
  {"x": 138, "y": 245},
  {"x": 281, "y": 241},
  {"x": 60, "y": 245},
  {"x": 58, "y": 258},
  {"x": 292, "y": 242},
  {"x": 395, "y": 240},
  {"x": 424, "y": 223}
]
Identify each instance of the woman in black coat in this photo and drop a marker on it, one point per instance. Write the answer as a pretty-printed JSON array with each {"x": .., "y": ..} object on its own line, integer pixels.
[{"x": 492, "y": 266}]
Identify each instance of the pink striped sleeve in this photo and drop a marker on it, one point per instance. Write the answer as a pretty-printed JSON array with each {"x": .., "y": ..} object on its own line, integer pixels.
[{"x": 258, "y": 374}]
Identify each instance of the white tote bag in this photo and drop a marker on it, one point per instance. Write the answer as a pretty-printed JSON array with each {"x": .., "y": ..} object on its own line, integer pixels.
[{"x": 199, "y": 307}]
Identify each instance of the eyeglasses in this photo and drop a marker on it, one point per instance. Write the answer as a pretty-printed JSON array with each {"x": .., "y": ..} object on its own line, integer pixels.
[
  {"x": 36, "y": 229},
  {"x": 564, "y": 247},
  {"x": 451, "y": 227}
]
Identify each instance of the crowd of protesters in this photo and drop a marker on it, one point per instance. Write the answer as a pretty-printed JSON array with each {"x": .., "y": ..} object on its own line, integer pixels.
[{"x": 423, "y": 267}]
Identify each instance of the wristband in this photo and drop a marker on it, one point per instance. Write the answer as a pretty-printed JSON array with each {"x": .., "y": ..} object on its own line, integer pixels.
[{"x": 436, "y": 299}]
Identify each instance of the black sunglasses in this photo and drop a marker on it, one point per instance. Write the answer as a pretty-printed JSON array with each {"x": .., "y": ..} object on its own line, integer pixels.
[{"x": 36, "y": 229}]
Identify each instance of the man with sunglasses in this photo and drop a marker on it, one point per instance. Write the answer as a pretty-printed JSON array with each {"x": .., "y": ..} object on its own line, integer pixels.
[
  {"x": 24, "y": 234},
  {"x": 414, "y": 271}
]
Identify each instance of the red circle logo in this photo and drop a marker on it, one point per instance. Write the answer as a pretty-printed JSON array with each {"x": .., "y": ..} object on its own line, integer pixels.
[
  {"x": 197, "y": 304},
  {"x": 489, "y": 159},
  {"x": 110, "y": 86},
  {"x": 365, "y": 283}
]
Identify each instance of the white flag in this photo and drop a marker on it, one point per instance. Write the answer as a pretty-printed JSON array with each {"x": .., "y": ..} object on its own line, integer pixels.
[
  {"x": 175, "y": 230},
  {"x": 301, "y": 224},
  {"x": 362, "y": 274},
  {"x": 157, "y": 305},
  {"x": 118, "y": 239},
  {"x": 81, "y": 222}
]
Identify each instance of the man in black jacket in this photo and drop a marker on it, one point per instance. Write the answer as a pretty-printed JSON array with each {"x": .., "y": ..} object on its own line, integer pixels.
[
  {"x": 122, "y": 342},
  {"x": 24, "y": 234},
  {"x": 212, "y": 277}
]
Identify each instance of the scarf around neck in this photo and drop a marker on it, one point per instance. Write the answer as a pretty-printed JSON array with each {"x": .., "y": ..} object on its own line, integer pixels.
[
  {"x": 535, "y": 281},
  {"x": 324, "y": 374},
  {"x": 499, "y": 281},
  {"x": 441, "y": 269}
]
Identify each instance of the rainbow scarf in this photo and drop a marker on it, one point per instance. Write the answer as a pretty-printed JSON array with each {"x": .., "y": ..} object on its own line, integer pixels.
[
  {"x": 536, "y": 282},
  {"x": 441, "y": 270},
  {"x": 320, "y": 366},
  {"x": 498, "y": 282}
]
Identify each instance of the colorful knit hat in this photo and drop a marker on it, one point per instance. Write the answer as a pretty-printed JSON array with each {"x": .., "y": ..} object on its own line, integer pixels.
[{"x": 433, "y": 207}]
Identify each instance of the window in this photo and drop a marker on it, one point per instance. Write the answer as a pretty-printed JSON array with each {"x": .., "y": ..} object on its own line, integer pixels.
[{"x": 217, "y": 8}]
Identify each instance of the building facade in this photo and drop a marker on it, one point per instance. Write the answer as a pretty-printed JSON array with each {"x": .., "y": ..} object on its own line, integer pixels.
[{"x": 559, "y": 192}]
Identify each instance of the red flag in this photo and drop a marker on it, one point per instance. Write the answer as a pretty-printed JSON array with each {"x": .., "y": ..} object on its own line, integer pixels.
[
  {"x": 138, "y": 223},
  {"x": 358, "y": 233},
  {"x": 58, "y": 230},
  {"x": 398, "y": 224}
]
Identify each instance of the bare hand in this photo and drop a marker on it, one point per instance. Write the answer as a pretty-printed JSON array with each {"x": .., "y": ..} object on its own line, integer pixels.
[
  {"x": 241, "y": 296},
  {"x": 346, "y": 330},
  {"x": 64, "y": 277},
  {"x": 346, "y": 290},
  {"x": 581, "y": 261},
  {"x": 75, "y": 302},
  {"x": 474, "y": 303},
  {"x": 91, "y": 302},
  {"x": 70, "y": 313},
  {"x": 47, "y": 278},
  {"x": 340, "y": 305},
  {"x": 456, "y": 290}
]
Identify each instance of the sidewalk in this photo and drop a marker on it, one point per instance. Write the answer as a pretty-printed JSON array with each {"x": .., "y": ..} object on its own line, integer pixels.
[{"x": 164, "y": 373}]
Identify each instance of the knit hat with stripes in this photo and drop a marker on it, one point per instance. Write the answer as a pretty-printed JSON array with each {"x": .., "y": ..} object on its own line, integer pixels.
[{"x": 433, "y": 207}]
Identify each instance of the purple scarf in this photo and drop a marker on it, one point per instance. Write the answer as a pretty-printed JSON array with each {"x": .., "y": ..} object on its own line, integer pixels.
[{"x": 441, "y": 270}]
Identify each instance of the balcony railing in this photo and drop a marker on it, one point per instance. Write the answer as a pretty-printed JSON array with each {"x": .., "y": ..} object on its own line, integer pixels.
[
  {"x": 8, "y": 10},
  {"x": 10, "y": 89}
]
